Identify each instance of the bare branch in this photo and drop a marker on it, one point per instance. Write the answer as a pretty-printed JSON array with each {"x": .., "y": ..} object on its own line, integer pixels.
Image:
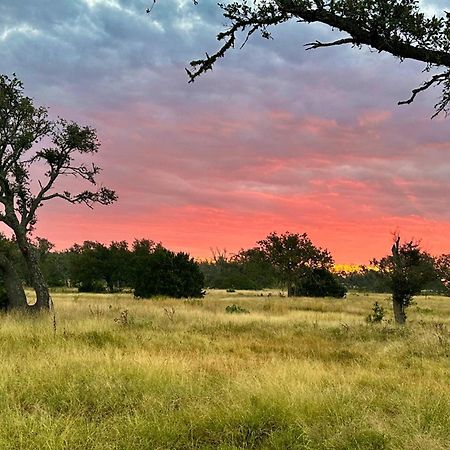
[
  {"x": 318, "y": 44},
  {"x": 436, "y": 79},
  {"x": 243, "y": 20}
]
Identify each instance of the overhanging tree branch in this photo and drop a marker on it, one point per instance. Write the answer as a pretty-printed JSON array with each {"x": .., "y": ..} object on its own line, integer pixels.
[
  {"x": 398, "y": 27},
  {"x": 318, "y": 44}
]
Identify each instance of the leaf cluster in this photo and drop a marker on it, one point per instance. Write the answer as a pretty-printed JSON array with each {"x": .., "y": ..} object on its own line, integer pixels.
[{"x": 30, "y": 140}]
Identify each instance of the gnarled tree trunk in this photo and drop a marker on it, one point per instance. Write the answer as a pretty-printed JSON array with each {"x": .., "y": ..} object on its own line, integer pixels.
[
  {"x": 13, "y": 286},
  {"x": 29, "y": 253},
  {"x": 399, "y": 310}
]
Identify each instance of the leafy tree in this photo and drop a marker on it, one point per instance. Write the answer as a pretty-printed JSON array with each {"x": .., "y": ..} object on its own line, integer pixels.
[
  {"x": 88, "y": 266},
  {"x": 320, "y": 282},
  {"x": 162, "y": 272},
  {"x": 94, "y": 267},
  {"x": 442, "y": 266},
  {"x": 29, "y": 142},
  {"x": 256, "y": 268},
  {"x": 293, "y": 257},
  {"x": 54, "y": 265},
  {"x": 366, "y": 279},
  {"x": 398, "y": 27},
  {"x": 224, "y": 273},
  {"x": 407, "y": 270},
  {"x": 246, "y": 270},
  {"x": 118, "y": 273}
]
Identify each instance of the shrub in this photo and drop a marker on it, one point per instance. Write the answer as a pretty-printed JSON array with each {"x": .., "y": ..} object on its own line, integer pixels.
[
  {"x": 162, "y": 272},
  {"x": 319, "y": 283},
  {"x": 377, "y": 314},
  {"x": 236, "y": 309}
]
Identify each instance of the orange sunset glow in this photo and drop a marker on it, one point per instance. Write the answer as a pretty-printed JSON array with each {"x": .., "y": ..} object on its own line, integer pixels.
[{"x": 271, "y": 140}]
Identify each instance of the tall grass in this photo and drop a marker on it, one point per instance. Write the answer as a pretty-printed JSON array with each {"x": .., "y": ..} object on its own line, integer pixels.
[{"x": 110, "y": 372}]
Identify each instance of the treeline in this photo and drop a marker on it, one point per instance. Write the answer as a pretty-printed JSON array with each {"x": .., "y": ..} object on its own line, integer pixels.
[
  {"x": 370, "y": 279},
  {"x": 146, "y": 267},
  {"x": 287, "y": 261}
]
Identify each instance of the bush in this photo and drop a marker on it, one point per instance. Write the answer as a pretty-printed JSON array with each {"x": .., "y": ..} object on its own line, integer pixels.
[
  {"x": 162, "y": 272},
  {"x": 320, "y": 283},
  {"x": 94, "y": 286},
  {"x": 236, "y": 309},
  {"x": 377, "y": 314}
]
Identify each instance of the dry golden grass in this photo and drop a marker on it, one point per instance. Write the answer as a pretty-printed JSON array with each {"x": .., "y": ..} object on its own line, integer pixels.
[{"x": 111, "y": 372}]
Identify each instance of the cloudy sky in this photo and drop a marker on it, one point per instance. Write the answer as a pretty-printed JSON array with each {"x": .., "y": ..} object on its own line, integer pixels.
[{"x": 274, "y": 139}]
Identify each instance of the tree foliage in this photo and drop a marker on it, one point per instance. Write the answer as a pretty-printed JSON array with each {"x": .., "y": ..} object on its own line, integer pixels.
[
  {"x": 162, "y": 272},
  {"x": 408, "y": 268},
  {"x": 36, "y": 153},
  {"x": 398, "y": 27},
  {"x": 442, "y": 266},
  {"x": 294, "y": 257},
  {"x": 320, "y": 283},
  {"x": 246, "y": 270}
]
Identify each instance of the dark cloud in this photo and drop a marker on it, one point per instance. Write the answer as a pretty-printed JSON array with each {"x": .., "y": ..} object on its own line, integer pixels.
[{"x": 276, "y": 133}]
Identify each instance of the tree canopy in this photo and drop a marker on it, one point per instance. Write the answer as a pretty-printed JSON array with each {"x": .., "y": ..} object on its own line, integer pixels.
[
  {"x": 293, "y": 257},
  {"x": 408, "y": 268},
  {"x": 35, "y": 154},
  {"x": 398, "y": 27}
]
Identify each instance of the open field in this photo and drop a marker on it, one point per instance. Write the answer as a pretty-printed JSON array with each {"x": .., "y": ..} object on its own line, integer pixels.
[{"x": 116, "y": 373}]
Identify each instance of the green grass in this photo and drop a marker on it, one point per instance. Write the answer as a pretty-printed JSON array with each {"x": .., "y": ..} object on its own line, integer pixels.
[{"x": 291, "y": 374}]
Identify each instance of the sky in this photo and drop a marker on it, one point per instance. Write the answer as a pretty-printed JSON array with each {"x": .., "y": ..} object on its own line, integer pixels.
[{"x": 275, "y": 138}]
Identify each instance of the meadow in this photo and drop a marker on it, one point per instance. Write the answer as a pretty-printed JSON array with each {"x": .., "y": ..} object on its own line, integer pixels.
[{"x": 110, "y": 372}]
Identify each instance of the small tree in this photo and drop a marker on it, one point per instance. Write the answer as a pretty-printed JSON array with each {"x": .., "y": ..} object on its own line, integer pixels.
[
  {"x": 407, "y": 270},
  {"x": 442, "y": 266},
  {"x": 293, "y": 256},
  {"x": 320, "y": 283},
  {"x": 29, "y": 141},
  {"x": 159, "y": 271}
]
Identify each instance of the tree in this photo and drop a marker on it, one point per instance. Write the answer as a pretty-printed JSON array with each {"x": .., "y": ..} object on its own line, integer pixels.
[
  {"x": 29, "y": 140},
  {"x": 159, "y": 271},
  {"x": 407, "y": 270},
  {"x": 12, "y": 294},
  {"x": 87, "y": 266},
  {"x": 398, "y": 27},
  {"x": 442, "y": 266},
  {"x": 320, "y": 282},
  {"x": 246, "y": 270},
  {"x": 366, "y": 279},
  {"x": 94, "y": 267},
  {"x": 293, "y": 256}
]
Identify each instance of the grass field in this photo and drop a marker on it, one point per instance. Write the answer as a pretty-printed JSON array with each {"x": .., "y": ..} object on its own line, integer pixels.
[{"x": 110, "y": 372}]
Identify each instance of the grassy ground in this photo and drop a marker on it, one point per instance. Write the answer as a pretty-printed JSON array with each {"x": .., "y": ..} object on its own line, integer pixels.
[{"x": 111, "y": 372}]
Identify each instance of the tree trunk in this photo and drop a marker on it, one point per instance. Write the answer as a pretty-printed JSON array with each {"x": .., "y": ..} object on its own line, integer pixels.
[
  {"x": 291, "y": 290},
  {"x": 43, "y": 300},
  {"x": 13, "y": 286},
  {"x": 399, "y": 311}
]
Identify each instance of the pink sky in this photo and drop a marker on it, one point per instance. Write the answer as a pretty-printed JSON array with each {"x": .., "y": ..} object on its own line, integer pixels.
[{"x": 274, "y": 139}]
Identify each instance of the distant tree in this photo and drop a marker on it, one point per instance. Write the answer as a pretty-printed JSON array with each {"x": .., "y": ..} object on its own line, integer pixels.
[
  {"x": 162, "y": 272},
  {"x": 407, "y": 270},
  {"x": 118, "y": 269},
  {"x": 223, "y": 273},
  {"x": 320, "y": 282},
  {"x": 442, "y": 266},
  {"x": 88, "y": 266},
  {"x": 366, "y": 279},
  {"x": 97, "y": 268},
  {"x": 54, "y": 265},
  {"x": 293, "y": 256},
  {"x": 246, "y": 270},
  {"x": 32, "y": 144},
  {"x": 398, "y": 27},
  {"x": 256, "y": 268}
]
